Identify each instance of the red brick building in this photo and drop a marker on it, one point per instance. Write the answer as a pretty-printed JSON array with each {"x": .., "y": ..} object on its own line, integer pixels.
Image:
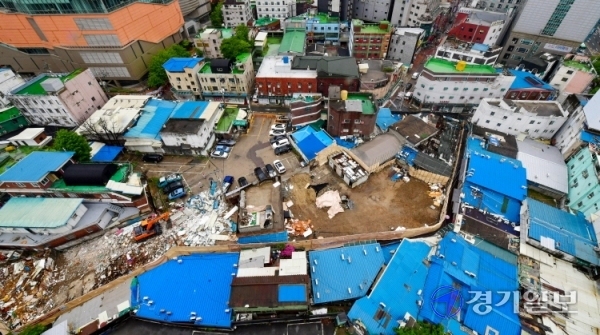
[
  {"x": 369, "y": 40},
  {"x": 276, "y": 81},
  {"x": 354, "y": 114},
  {"x": 478, "y": 26},
  {"x": 306, "y": 108}
]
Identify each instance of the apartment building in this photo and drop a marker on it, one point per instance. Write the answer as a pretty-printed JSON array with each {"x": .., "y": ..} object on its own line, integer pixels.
[
  {"x": 277, "y": 81},
  {"x": 584, "y": 181},
  {"x": 277, "y": 9},
  {"x": 555, "y": 26},
  {"x": 8, "y": 81},
  {"x": 183, "y": 76},
  {"x": 573, "y": 76},
  {"x": 501, "y": 6},
  {"x": 369, "y": 40},
  {"x": 453, "y": 84},
  {"x": 371, "y": 10},
  {"x": 404, "y": 44},
  {"x": 536, "y": 119},
  {"x": 479, "y": 26},
  {"x": 225, "y": 80},
  {"x": 209, "y": 41},
  {"x": 65, "y": 100},
  {"x": 237, "y": 12},
  {"x": 351, "y": 114},
  {"x": 472, "y": 53},
  {"x": 113, "y": 39}
]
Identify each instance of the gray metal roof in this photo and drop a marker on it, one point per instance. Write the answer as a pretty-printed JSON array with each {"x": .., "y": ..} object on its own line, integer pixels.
[
  {"x": 544, "y": 164},
  {"x": 381, "y": 149},
  {"x": 433, "y": 165},
  {"x": 328, "y": 66}
]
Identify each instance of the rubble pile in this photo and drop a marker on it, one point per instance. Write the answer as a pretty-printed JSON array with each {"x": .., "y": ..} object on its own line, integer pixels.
[
  {"x": 437, "y": 193},
  {"x": 35, "y": 285},
  {"x": 298, "y": 227}
]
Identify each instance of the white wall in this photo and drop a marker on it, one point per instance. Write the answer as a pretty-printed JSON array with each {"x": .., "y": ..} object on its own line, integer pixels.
[
  {"x": 8, "y": 81},
  {"x": 568, "y": 139},
  {"x": 494, "y": 32},
  {"x": 44, "y": 110},
  {"x": 461, "y": 92},
  {"x": 276, "y": 8},
  {"x": 238, "y": 14},
  {"x": 187, "y": 80},
  {"x": 516, "y": 121}
]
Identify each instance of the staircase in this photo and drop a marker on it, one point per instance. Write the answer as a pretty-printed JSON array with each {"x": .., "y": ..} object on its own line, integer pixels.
[{"x": 116, "y": 209}]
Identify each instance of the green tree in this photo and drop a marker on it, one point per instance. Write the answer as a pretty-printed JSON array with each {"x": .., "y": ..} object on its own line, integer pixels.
[
  {"x": 421, "y": 328},
  {"x": 156, "y": 74},
  {"x": 32, "y": 330},
  {"x": 242, "y": 31},
  {"x": 67, "y": 140},
  {"x": 231, "y": 47},
  {"x": 216, "y": 16}
]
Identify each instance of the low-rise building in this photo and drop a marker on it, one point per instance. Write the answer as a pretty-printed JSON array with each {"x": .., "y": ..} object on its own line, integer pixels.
[
  {"x": 277, "y": 81},
  {"x": 27, "y": 223},
  {"x": 573, "y": 76},
  {"x": 293, "y": 42},
  {"x": 584, "y": 181},
  {"x": 8, "y": 81},
  {"x": 183, "y": 76},
  {"x": 54, "y": 174},
  {"x": 331, "y": 71},
  {"x": 546, "y": 169},
  {"x": 527, "y": 86},
  {"x": 209, "y": 41},
  {"x": 369, "y": 40},
  {"x": 260, "y": 41},
  {"x": 319, "y": 27},
  {"x": 306, "y": 108},
  {"x": 458, "y": 84},
  {"x": 404, "y": 44},
  {"x": 267, "y": 24},
  {"x": 536, "y": 119},
  {"x": 278, "y": 9},
  {"x": 228, "y": 81},
  {"x": 472, "y": 53},
  {"x": 190, "y": 129},
  {"x": 65, "y": 100},
  {"x": 144, "y": 135},
  {"x": 237, "y": 12},
  {"x": 32, "y": 137},
  {"x": 11, "y": 120},
  {"x": 413, "y": 131},
  {"x": 351, "y": 114},
  {"x": 577, "y": 131},
  {"x": 479, "y": 26}
]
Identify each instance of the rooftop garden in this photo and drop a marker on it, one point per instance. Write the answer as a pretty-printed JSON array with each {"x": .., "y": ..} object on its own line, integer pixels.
[
  {"x": 227, "y": 119},
  {"x": 367, "y": 104},
  {"x": 34, "y": 87},
  {"x": 577, "y": 65},
  {"x": 119, "y": 176}
]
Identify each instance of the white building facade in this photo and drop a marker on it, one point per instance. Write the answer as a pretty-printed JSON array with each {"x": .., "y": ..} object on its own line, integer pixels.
[
  {"x": 279, "y": 9},
  {"x": 59, "y": 100},
  {"x": 8, "y": 81},
  {"x": 236, "y": 12},
  {"x": 536, "y": 119},
  {"x": 471, "y": 54},
  {"x": 234, "y": 84}
]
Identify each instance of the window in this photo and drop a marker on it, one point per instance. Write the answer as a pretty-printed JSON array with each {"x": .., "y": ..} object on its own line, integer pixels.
[
  {"x": 431, "y": 88},
  {"x": 475, "y": 89},
  {"x": 465, "y": 89},
  {"x": 346, "y": 121},
  {"x": 72, "y": 195},
  {"x": 584, "y": 174},
  {"x": 456, "y": 88},
  {"x": 93, "y": 98},
  {"x": 498, "y": 124},
  {"x": 485, "y": 89},
  {"x": 357, "y": 121},
  {"x": 487, "y": 121},
  {"x": 45, "y": 181},
  {"x": 20, "y": 184},
  {"x": 445, "y": 88},
  {"x": 591, "y": 195},
  {"x": 564, "y": 79},
  {"x": 505, "y": 117}
]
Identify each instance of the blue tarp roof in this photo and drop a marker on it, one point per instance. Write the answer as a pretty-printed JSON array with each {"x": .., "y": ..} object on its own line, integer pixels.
[
  {"x": 178, "y": 64},
  {"x": 35, "y": 166},
  {"x": 526, "y": 80},
  {"x": 311, "y": 142},
  {"x": 408, "y": 154},
  {"x": 189, "y": 110},
  {"x": 397, "y": 289},
  {"x": 588, "y": 137},
  {"x": 344, "y": 273},
  {"x": 572, "y": 233},
  {"x": 389, "y": 250},
  {"x": 350, "y": 144},
  {"x": 201, "y": 283},
  {"x": 480, "y": 47},
  {"x": 460, "y": 267},
  {"x": 265, "y": 238},
  {"x": 154, "y": 115},
  {"x": 291, "y": 293},
  {"x": 107, "y": 153},
  {"x": 501, "y": 174},
  {"x": 385, "y": 118}
]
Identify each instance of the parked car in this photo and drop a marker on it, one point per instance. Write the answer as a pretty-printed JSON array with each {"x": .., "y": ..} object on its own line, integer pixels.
[
  {"x": 227, "y": 182},
  {"x": 278, "y": 126},
  {"x": 223, "y": 148},
  {"x": 228, "y": 143},
  {"x": 260, "y": 174},
  {"x": 282, "y": 118},
  {"x": 408, "y": 86},
  {"x": 282, "y": 150},
  {"x": 166, "y": 180},
  {"x": 219, "y": 154},
  {"x": 276, "y": 138},
  {"x": 172, "y": 187},
  {"x": 178, "y": 193},
  {"x": 280, "y": 143},
  {"x": 277, "y": 132},
  {"x": 271, "y": 171},
  {"x": 408, "y": 95},
  {"x": 242, "y": 181},
  {"x": 415, "y": 75},
  {"x": 152, "y": 158},
  {"x": 279, "y": 166}
]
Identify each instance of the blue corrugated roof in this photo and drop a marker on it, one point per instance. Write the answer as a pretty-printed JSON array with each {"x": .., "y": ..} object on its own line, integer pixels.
[
  {"x": 311, "y": 142},
  {"x": 107, "y": 153},
  {"x": 572, "y": 233},
  {"x": 396, "y": 292},
  {"x": 524, "y": 80},
  {"x": 489, "y": 273},
  {"x": 155, "y": 114},
  {"x": 292, "y": 293},
  {"x": 586, "y": 136},
  {"x": 385, "y": 118},
  {"x": 35, "y": 166},
  {"x": 265, "y": 238},
  {"x": 498, "y": 173},
  {"x": 344, "y": 273},
  {"x": 189, "y": 109},
  {"x": 480, "y": 47},
  {"x": 388, "y": 251},
  {"x": 200, "y": 284},
  {"x": 407, "y": 154},
  {"x": 177, "y": 64}
]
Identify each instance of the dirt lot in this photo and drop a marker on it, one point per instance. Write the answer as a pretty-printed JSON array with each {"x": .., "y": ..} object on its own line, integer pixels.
[{"x": 379, "y": 204}]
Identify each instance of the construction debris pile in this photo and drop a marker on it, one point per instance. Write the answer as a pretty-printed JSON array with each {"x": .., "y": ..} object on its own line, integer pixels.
[
  {"x": 297, "y": 227},
  {"x": 35, "y": 285},
  {"x": 332, "y": 200},
  {"x": 437, "y": 193}
]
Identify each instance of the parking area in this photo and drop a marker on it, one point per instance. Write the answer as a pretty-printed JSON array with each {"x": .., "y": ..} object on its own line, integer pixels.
[{"x": 251, "y": 150}]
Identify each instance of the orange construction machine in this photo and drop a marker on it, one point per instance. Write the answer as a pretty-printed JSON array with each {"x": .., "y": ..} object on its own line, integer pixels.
[{"x": 149, "y": 227}]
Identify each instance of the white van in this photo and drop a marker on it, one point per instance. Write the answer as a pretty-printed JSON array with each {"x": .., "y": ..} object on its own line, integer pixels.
[{"x": 415, "y": 75}]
